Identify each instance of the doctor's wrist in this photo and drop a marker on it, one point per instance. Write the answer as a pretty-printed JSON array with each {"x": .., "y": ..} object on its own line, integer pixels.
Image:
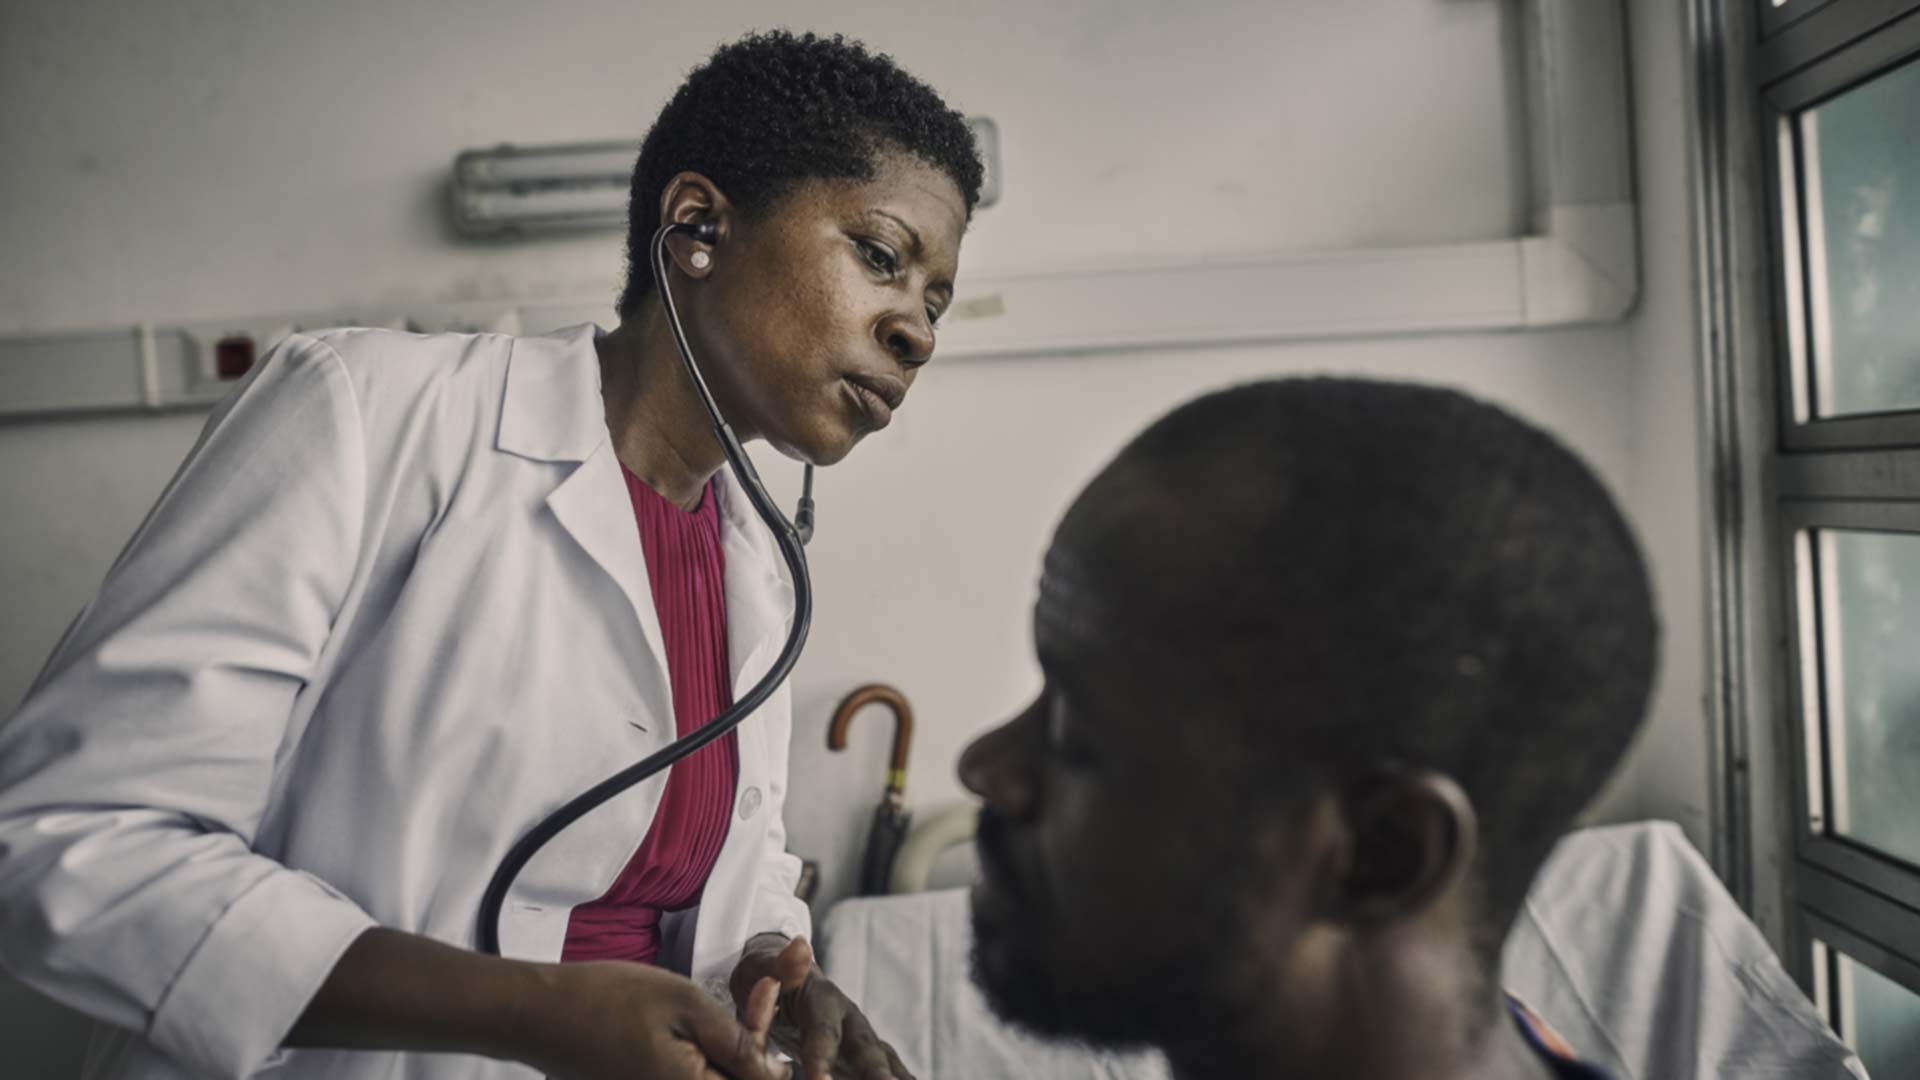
[
  {"x": 537, "y": 1031},
  {"x": 397, "y": 991}
]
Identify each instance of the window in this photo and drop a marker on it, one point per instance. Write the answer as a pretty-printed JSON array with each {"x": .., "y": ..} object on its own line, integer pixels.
[
  {"x": 1837, "y": 86},
  {"x": 1875, "y": 1014}
]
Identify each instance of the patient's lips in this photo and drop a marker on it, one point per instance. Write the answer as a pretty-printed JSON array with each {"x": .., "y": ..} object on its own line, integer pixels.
[
  {"x": 988, "y": 896},
  {"x": 990, "y": 843}
]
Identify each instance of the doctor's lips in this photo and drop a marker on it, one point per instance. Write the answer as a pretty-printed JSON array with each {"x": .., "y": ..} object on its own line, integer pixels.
[{"x": 877, "y": 395}]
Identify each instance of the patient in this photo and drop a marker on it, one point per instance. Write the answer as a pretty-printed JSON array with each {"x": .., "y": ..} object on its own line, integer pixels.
[{"x": 1330, "y": 665}]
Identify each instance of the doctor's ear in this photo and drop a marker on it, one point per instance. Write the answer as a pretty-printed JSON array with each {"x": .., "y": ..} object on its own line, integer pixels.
[
  {"x": 1411, "y": 834},
  {"x": 690, "y": 198}
]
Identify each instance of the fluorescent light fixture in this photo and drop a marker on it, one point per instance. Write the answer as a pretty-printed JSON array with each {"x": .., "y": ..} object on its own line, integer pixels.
[
  {"x": 609, "y": 162},
  {"x": 583, "y": 206},
  {"x": 528, "y": 189},
  {"x": 545, "y": 188}
]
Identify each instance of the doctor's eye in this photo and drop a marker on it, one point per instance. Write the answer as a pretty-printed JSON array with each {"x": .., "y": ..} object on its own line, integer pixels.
[{"x": 879, "y": 257}]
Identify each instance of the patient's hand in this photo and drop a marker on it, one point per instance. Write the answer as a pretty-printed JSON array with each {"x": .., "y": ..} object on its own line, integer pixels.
[{"x": 814, "y": 1021}]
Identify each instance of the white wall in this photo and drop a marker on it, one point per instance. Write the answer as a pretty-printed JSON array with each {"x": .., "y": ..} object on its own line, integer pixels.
[
  {"x": 227, "y": 158},
  {"x": 224, "y": 157},
  {"x": 1667, "y": 775}
]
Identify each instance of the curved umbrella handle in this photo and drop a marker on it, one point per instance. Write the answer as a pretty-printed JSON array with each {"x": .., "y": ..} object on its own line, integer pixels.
[{"x": 877, "y": 694}]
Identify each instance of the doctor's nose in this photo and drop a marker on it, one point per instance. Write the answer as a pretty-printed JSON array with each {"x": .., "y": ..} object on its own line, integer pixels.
[
  {"x": 996, "y": 768},
  {"x": 908, "y": 336}
]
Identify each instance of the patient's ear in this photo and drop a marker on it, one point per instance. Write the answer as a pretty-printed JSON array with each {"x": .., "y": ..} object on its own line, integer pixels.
[{"x": 1411, "y": 835}]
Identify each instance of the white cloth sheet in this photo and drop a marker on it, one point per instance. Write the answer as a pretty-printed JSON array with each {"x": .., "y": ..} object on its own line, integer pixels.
[{"x": 1633, "y": 950}]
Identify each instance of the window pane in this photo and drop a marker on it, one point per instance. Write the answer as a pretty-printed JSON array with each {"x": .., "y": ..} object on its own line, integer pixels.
[
  {"x": 1880, "y": 1019},
  {"x": 1862, "y": 186},
  {"x": 1869, "y": 624}
]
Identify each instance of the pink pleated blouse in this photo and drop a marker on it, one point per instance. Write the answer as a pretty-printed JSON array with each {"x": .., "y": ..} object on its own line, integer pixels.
[{"x": 670, "y": 868}]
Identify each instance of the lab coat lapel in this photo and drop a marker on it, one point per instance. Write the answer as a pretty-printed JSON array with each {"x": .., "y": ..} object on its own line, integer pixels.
[
  {"x": 759, "y": 606},
  {"x": 553, "y": 412},
  {"x": 759, "y": 599},
  {"x": 594, "y": 508}
]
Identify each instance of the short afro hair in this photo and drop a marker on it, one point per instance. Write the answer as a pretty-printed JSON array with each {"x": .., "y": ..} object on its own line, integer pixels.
[
  {"x": 774, "y": 109},
  {"x": 1378, "y": 572}
]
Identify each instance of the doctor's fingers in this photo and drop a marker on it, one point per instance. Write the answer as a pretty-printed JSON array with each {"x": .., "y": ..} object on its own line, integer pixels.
[
  {"x": 733, "y": 1050},
  {"x": 762, "y": 1003}
]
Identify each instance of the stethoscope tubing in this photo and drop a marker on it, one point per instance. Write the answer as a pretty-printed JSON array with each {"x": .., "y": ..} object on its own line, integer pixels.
[{"x": 785, "y": 535}]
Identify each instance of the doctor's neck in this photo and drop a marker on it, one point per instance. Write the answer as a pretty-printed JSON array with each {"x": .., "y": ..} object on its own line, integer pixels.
[{"x": 659, "y": 428}]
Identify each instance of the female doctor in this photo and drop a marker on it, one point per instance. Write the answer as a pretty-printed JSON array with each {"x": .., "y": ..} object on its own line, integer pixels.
[{"x": 409, "y": 594}]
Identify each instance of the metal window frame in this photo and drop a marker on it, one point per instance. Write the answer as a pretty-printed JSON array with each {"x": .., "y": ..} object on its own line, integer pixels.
[
  {"x": 1815, "y": 843},
  {"x": 1777, "y": 15},
  {"x": 1782, "y": 102},
  {"x": 1872, "y": 931},
  {"x": 1784, "y": 477},
  {"x": 1801, "y": 32},
  {"x": 1723, "y": 316}
]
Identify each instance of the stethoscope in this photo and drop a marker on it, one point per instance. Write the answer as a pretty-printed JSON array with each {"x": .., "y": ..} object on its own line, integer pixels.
[{"x": 791, "y": 537}]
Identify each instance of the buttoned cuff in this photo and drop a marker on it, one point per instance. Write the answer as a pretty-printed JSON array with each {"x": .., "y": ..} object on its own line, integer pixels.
[{"x": 776, "y": 910}]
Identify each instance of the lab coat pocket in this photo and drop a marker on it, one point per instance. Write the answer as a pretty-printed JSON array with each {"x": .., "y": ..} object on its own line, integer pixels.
[{"x": 532, "y": 931}]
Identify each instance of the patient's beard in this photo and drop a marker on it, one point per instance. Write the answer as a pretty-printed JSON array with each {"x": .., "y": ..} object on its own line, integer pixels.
[
  {"x": 1171, "y": 999},
  {"x": 1024, "y": 991}
]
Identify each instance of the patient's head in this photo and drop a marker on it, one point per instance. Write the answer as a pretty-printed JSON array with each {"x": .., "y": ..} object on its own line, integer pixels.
[{"x": 1329, "y": 667}]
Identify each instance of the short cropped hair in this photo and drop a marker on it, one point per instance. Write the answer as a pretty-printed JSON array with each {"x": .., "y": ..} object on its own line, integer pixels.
[
  {"x": 773, "y": 109},
  {"x": 1406, "y": 574}
]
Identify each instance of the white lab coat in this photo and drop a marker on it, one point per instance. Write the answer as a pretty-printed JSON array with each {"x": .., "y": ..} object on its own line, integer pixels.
[{"x": 392, "y": 610}]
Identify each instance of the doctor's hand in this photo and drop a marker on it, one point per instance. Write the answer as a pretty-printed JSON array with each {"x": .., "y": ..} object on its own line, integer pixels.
[
  {"x": 616, "y": 1021},
  {"x": 814, "y": 1022}
]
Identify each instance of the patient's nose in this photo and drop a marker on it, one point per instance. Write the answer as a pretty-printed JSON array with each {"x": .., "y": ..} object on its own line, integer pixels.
[
  {"x": 995, "y": 768},
  {"x": 975, "y": 764}
]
